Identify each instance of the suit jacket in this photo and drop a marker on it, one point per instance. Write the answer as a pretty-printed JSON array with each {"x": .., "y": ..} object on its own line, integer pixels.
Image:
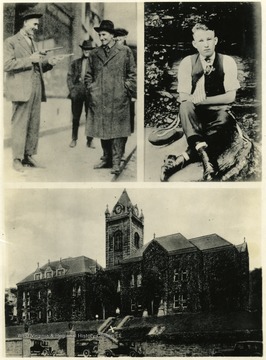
[
  {"x": 75, "y": 84},
  {"x": 19, "y": 69}
]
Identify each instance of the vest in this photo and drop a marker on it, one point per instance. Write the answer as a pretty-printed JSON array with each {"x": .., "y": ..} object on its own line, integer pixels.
[{"x": 214, "y": 82}]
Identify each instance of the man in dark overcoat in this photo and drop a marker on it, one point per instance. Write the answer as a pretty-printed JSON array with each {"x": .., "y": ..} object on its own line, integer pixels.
[
  {"x": 77, "y": 91},
  {"x": 24, "y": 66},
  {"x": 111, "y": 83}
]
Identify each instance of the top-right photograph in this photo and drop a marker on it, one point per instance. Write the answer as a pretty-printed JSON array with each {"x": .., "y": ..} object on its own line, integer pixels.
[{"x": 203, "y": 92}]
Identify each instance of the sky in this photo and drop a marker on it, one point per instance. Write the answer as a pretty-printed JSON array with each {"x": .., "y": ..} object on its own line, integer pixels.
[{"x": 42, "y": 224}]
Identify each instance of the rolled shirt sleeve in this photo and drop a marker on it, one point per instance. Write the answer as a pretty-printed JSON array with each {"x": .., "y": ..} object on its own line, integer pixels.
[
  {"x": 230, "y": 74},
  {"x": 184, "y": 76}
]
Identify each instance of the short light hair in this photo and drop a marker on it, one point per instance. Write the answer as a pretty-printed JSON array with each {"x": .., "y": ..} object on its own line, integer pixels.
[{"x": 200, "y": 26}]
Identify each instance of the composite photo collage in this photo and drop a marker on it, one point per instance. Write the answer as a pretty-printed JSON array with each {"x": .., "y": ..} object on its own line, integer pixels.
[{"x": 132, "y": 179}]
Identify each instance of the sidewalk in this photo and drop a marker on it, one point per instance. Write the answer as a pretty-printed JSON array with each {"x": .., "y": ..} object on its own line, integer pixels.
[{"x": 59, "y": 162}]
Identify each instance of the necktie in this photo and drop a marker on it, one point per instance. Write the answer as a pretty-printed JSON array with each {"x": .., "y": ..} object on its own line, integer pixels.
[
  {"x": 106, "y": 50},
  {"x": 208, "y": 68}
]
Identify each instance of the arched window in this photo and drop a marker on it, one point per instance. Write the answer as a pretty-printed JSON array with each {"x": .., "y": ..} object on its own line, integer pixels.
[
  {"x": 118, "y": 241},
  {"x": 136, "y": 240}
]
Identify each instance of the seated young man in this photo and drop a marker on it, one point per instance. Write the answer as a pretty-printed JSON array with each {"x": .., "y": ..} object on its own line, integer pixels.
[{"x": 207, "y": 84}]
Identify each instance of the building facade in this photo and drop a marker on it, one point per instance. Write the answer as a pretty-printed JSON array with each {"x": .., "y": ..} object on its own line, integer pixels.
[{"x": 168, "y": 275}]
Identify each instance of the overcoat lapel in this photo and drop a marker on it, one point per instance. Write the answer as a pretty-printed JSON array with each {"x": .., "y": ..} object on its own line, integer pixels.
[{"x": 113, "y": 52}]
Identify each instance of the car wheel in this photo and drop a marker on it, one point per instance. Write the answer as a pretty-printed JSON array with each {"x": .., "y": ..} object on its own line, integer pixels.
[
  {"x": 45, "y": 352},
  {"x": 133, "y": 353},
  {"x": 108, "y": 353},
  {"x": 86, "y": 353}
]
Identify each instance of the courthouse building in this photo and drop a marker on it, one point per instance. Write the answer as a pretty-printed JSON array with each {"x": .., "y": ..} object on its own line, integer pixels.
[{"x": 167, "y": 275}]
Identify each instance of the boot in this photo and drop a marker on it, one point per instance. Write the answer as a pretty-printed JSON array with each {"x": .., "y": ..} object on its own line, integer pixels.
[{"x": 208, "y": 169}]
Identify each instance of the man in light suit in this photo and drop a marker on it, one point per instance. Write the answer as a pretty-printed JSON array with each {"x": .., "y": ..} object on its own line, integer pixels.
[
  {"x": 24, "y": 66},
  {"x": 77, "y": 91}
]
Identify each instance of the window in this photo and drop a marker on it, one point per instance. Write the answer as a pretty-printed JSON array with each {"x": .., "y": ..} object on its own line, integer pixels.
[
  {"x": 39, "y": 314},
  {"x": 39, "y": 294},
  {"x": 49, "y": 274},
  {"x": 176, "y": 275},
  {"x": 79, "y": 291},
  {"x": 136, "y": 240},
  {"x": 139, "y": 280},
  {"x": 74, "y": 291},
  {"x": 37, "y": 276},
  {"x": 180, "y": 301},
  {"x": 60, "y": 272},
  {"x": 133, "y": 305},
  {"x": 118, "y": 241},
  {"x": 49, "y": 293},
  {"x": 176, "y": 301},
  {"x": 184, "y": 275},
  {"x": 132, "y": 281},
  {"x": 49, "y": 313}
]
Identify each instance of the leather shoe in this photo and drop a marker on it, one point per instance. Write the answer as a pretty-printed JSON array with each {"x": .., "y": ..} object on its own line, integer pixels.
[
  {"x": 115, "y": 170},
  {"x": 73, "y": 143},
  {"x": 17, "y": 165},
  {"x": 90, "y": 144},
  {"x": 208, "y": 169},
  {"x": 103, "y": 164},
  {"x": 29, "y": 162},
  {"x": 172, "y": 164}
]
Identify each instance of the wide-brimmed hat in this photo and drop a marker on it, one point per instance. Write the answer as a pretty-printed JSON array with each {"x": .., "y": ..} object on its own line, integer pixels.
[
  {"x": 86, "y": 45},
  {"x": 106, "y": 25},
  {"x": 120, "y": 32},
  {"x": 30, "y": 15}
]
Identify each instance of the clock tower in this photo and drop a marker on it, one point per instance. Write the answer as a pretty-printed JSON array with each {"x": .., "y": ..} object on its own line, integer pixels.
[{"x": 124, "y": 228}]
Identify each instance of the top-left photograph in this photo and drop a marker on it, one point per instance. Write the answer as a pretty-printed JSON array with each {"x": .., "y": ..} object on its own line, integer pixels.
[{"x": 70, "y": 92}]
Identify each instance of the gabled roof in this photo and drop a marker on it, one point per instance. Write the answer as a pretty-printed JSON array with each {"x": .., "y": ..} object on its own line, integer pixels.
[
  {"x": 210, "y": 242},
  {"x": 242, "y": 247},
  {"x": 175, "y": 243},
  {"x": 73, "y": 266},
  {"x": 171, "y": 243}
]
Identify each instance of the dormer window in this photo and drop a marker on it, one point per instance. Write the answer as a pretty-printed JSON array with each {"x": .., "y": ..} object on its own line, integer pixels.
[
  {"x": 49, "y": 274},
  {"x": 60, "y": 272},
  {"x": 37, "y": 276}
]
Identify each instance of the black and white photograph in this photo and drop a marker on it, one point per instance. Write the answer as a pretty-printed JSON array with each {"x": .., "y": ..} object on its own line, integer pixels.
[
  {"x": 70, "y": 92},
  {"x": 133, "y": 185},
  {"x": 202, "y": 91},
  {"x": 130, "y": 272}
]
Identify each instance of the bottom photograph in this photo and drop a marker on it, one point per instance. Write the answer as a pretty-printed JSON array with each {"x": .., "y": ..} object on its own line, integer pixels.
[{"x": 133, "y": 272}]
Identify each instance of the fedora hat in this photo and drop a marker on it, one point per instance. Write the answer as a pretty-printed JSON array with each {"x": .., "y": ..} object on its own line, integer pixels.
[
  {"x": 106, "y": 25},
  {"x": 121, "y": 32},
  {"x": 86, "y": 45},
  {"x": 30, "y": 15}
]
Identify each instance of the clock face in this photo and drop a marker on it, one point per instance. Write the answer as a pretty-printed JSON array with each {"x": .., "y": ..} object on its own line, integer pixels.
[{"x": 118, "y": 209}]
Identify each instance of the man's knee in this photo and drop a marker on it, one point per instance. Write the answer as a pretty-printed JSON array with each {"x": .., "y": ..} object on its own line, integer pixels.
[
  {"x": 224, "y": 119},
  {"x": 186, "y": 107}
]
